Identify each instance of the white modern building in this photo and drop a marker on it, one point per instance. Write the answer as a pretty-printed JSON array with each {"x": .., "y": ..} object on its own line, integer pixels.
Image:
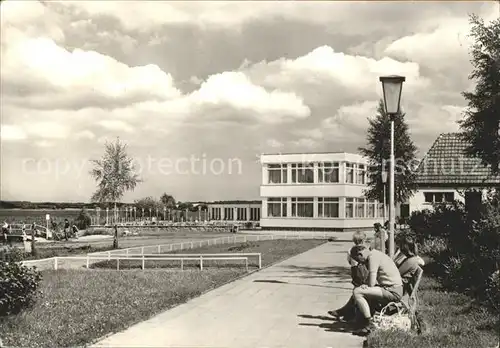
[{"x": 316, "y": 191}]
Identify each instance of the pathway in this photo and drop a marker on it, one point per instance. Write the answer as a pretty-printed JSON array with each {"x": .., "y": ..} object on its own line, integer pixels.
[{"x": 283, "y": 305}]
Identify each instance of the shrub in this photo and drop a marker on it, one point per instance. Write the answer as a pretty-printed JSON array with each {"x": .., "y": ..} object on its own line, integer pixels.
[
  {"x": 18, "y": 283},
  {"x": 83, "y": 220}
]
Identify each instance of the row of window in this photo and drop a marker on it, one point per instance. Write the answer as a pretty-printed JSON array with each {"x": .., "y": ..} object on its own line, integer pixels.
[
  {"x": 439, "y": 197},
  {"x": 328, "y": 172},
  {"x": 328, "y": 207},
  {"x": 241, "y": 214}
]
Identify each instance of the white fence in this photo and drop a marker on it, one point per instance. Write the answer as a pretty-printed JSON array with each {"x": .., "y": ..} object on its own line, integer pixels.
[{"x": 81, "y": 261}]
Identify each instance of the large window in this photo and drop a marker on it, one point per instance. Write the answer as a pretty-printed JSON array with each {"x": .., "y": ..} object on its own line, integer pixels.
[
  {"x": 302, "y": 173},
  {"x": 229, "y": 214},
  {"x": 303, "y": 207},
  {"x": 381, "y": 210},
  {"x": 216, "y": 213},
  {"x": 439, "y": 197},
  {"x": 254, "y": 214},
  {"x": 328, "y": 172},
  {"x": 360, "y": 174},
  {"x": 276, "y": 207},
  {"x": 242, "y": 214},
  {"x": 360, "y": 207},
  {"x": 371, "y": 209},
  {"x": 349, "y": 173},
  {"x": 328, "y": 207},
  {"x": 349, "y": 207},
  {"x": 355, "y": 173},
  {"x": 277, "y": 173}
]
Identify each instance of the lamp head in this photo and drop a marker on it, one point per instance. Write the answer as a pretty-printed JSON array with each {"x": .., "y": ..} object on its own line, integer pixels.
[{"x": 392, "y": 86}]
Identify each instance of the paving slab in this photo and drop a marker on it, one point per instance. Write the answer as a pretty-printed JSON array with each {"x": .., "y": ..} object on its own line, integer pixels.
[{"x": 284, "y": 305}]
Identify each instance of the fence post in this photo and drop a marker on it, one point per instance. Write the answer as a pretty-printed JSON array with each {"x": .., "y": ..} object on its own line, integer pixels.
[
  {"x": 192, "y": 245},
  {"x": 244, "y": 239},
  {"x": 182, "y": 264},
  {"x": 170, "y": 247},
  {"x": 142, "y": 251},
  {"x": 117, "y": 264},
  {"x": 55, "y": 263},
  {"x": 88, "y": 261},
  {"x": 201, "y": 263},
  {"x": 143, "y": 262},
  {"x": 127, "y": 251},
  {"x": 159, "y": 249},
  {"x": 260, "y": 261},
  {"x": 109, "y": 255},
  {"x": 246, "y": 264}
]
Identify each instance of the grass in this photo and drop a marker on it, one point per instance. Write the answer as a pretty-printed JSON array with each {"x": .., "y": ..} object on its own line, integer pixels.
[
  {"x": 77, "y": 307},
  {"x": 453, "y": 321}
]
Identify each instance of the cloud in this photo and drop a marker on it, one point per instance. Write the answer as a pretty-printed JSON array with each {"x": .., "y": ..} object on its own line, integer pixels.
[
  {"x": 85, "y": 134},
  {"x": 235, "y": 89},
  {"x": 11, "y": 132},
  {"x": 116, "y": 125},
  {"x": 77, "y": 79},
  {"x": 275, "y": 144},
  {"x": 47, "y": 130}
]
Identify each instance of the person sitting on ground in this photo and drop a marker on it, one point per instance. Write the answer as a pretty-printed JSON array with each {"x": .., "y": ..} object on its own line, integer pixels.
[
  {"x": 359, "y": 275},
  {"x": 384, "y": 284}
]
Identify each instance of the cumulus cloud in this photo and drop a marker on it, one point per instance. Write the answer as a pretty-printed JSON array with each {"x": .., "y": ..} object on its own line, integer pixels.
[
  {"x": 116, "y": 125},
  {"x": 11, "y": 132},
  {"x": 80, "y": 75}
]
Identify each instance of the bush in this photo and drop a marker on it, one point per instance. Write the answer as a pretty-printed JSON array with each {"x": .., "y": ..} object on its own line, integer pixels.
[
  {"x": 465, "y": 252},
  {"x": 83, "y": 220},
  {"x": 18, "y": 283}
]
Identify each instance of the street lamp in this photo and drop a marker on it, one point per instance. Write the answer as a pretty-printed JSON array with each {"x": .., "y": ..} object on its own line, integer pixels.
[{"x": 392, "y": 87}]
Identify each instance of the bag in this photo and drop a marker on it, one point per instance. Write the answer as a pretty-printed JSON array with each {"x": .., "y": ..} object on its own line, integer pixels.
[
  {"x": 401, "y": 320},
  {"x": 359, "y": 274}
]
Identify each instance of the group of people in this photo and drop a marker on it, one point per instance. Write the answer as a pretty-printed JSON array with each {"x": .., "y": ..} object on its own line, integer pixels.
[{"x": 378, "y": 279}]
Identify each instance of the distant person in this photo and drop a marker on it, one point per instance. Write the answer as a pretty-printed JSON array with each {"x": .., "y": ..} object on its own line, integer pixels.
[
  {"x": 5, "y": 232},
  {"x": 66, "y": 229},
  {"x": 74, "y": 229},
  {"x": 380, "y": 237}
]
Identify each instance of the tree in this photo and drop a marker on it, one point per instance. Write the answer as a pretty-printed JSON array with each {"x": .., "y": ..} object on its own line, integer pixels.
[
  {"x": 168, "y": 200},
  {"x": 481, "y": 124},
  {"x": 115, "y": 174},
  {"x": 146, "y": 203},
  {"x": 378, "y": 150}
]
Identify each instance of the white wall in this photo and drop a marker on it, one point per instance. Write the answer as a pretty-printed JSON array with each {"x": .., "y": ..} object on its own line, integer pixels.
[
  {"x": 318, "y": 223},
  {"x": 312, "y": 190}
]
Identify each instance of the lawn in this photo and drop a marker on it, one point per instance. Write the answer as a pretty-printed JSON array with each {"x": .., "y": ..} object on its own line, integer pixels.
[
  {"x": 271, "y": 250},
  {"x": 79, "y": 306},
  {"x": 452, "y": 319}
]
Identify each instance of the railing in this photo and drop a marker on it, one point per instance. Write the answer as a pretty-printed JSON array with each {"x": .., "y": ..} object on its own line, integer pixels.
[
  {"x": 258, "y": 256},
  {"x": 162, "y": 248},
  {"x": 202, "y": 258}
]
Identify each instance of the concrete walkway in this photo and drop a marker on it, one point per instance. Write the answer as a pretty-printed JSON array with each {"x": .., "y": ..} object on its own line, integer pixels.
[{"x": 284, "y": 305}]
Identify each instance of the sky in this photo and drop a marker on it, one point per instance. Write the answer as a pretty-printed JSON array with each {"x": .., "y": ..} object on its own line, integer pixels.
[{"x": 198, "y": 90}]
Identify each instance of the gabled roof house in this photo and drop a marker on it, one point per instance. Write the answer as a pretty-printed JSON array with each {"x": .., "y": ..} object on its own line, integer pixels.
[{"x": 446, "y": 171}]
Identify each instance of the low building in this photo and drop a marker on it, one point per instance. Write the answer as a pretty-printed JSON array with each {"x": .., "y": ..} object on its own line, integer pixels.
[
  {"x": 446, "y": 173},
  {"x": 316, "y": 191},
  {"x": 235, "y": 211}
]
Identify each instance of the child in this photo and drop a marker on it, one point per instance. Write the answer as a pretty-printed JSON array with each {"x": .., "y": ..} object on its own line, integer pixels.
[{"x": 358, "y": 272}]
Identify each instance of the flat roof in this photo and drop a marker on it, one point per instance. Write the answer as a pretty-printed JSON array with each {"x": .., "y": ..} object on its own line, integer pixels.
[{"x": 309, "y": 153}]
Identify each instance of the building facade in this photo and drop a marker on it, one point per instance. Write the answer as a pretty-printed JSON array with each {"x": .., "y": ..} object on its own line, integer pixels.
[
  {"x": 316, "y": 191},
  {"x": 235, "y": 211},
  {"x": 447, "y": 174}
]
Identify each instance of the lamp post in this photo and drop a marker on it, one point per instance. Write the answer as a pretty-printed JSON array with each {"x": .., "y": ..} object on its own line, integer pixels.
[
  {"x": 392, "y": 87},
  {"x": 384, "y": 181}
]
